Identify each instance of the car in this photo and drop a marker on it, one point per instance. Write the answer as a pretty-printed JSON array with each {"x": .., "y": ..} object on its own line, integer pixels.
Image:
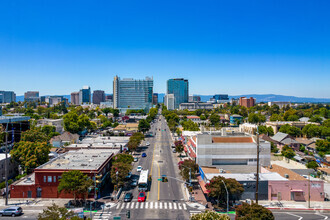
[
  {"x": 174, "y": 151},
  {"x": 129, "y": 175},
  {"x": 144, "y": 155},
  {"x": 134, "y": 183},
  {"x": 11, "y": 211},
  {"x": 142, "y": 197},
  {"x": 147, "y": 144},
  {"x": 128, "y": 197},
  {"x": 136, "y": 159},
  {"x": 139, "y": 168},
  {"x": 172, "y": 146}
]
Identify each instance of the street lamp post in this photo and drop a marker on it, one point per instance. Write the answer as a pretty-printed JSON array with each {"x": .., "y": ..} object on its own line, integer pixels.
[
  {"x": 227, "y": 195},
  {"x": 90, "y": 204}
]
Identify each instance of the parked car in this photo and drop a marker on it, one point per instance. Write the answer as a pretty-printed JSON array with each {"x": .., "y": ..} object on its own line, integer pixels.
[
  {"x": 128, "y": 197},
  {"x": 11, "y": 211},
  {"x": 136, "y": 159},
  {"x": 139, "y": 168},
  {"x": 142, "y": 197},
  {"x": 147, "y": 144},
  {"x": 173, "y": 146},
  {"x": 174, "y": 151},
  {"x": 144, "y": 155},
  {"x": 134, "y": 183},
  {"x": 129, "y": 175}
]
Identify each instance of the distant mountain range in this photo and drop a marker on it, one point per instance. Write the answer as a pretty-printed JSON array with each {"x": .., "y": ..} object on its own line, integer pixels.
[{"x": 259, "y": 98}]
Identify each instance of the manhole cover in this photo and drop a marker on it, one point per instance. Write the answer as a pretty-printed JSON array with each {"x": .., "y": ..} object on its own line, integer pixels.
[{"x": 160, "y": 161}]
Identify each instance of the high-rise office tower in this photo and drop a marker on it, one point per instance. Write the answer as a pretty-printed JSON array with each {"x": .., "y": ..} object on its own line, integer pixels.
[
  {"x": 75, "y": 98},
  {"x": 7, "y": 97},
  {"x": 155, "y": 99},
  {"x": 180, "y": 89},
  {"x": 132, "y": 93},
  {"x": 85, "y": 95},
  {"x": 31, "y": 96},
  {"x": 98, "y": 96}
]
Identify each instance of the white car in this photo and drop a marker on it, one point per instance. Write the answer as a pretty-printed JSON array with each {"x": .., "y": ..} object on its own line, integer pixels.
[
  {"x": 139, "y": 168},
  {"x": 147, "y": 144}
]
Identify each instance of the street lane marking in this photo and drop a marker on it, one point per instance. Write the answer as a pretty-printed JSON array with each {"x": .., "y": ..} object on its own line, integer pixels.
[
  {"x": 147, "y": 203},
  {"x": 160, "y": 205},
  {"x": 127, "y": 206},
  {"x": 170, "y": 205},
  {"x": 299, "y": 217},
  {"x": 158, "y": 181},
  {"x": 325, "y": 217},
  {"x": 179, "y": 206},
  {"x": 152, "y": 162},
  {"x": 174, "y": 205},
  {"x": 165, "y": 205},
  {"x": 141, "y": 205},
  {"x": 151, "y": 205},
  {"x": 184, "y": 206},
  {"x": 132, "y": 206},
  {"x": 137, "y": 205}
]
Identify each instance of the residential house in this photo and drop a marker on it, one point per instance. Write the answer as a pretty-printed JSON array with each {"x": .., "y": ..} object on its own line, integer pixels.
[
  {"x": 63, "y": 139},
  {"x": 285, "y": 139}
]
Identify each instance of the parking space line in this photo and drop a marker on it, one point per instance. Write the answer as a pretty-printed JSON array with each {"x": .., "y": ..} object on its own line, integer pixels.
[{"x": 300, "y": 217}]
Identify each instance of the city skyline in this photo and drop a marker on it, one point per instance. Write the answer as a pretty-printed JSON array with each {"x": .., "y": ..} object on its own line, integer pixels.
[{"x": 220, "y": 47}]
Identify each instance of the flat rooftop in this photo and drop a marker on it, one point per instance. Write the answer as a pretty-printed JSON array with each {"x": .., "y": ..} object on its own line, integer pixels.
[
  {"x": 85, "y": 159},
  {"x": 248, "y": 176},
  {"x": 9, "y": 119},
  {"x": 105, "y": 140}
]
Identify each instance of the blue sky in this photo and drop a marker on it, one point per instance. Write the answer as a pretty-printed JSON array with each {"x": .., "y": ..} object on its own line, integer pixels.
[{"x": 233, "y": 47}]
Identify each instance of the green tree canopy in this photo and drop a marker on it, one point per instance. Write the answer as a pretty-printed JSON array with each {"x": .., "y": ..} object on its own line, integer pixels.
[
  {"x": 209, "y": 215},
  {"x": 184, "y": 169},
  {"x": 34, "y": 135},
  {"x": 288, "y": 152},
  {"x": 30, "y": 154},
  {"x": 256, "y": 118},
  {"x": 118, "y": 173},
  {"x": 290, "y": 130},
  {"x": 312, "y": 164},
  {"x": 55, "y": 212},
  {"x": 253, "y": 211},
  {"x": 143, "y": 125},
  {"x": 189, "y": 125},
  {"x": 75, "y": 182},
  {"x": 214, "y": 119},
  {"x": 123, "y": 158},
  {"x": 323, "y": 147},
  {"x": 217, "y": 189}
]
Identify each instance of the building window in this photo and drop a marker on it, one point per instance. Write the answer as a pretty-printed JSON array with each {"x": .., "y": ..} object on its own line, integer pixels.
[
  {"x": 45, "y": 179},
  {"x": 49, "y": 179},
  {"x": 54, "y": 179}
]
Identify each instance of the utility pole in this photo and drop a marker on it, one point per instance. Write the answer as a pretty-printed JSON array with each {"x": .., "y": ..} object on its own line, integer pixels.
[
  {"x": 258, "y": 151},
  {"x": 227, "y": 195},
  {"x": 309, "y": 191},
  {"x": 6, "y": 165}
]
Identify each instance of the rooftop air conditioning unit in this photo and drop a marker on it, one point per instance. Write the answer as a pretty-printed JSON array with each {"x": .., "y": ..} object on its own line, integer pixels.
[{"x": 286, "y": 176}]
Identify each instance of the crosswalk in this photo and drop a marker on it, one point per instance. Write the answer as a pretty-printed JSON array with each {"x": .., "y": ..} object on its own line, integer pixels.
[
  {"x": 99, "y": 216},
  {"x": 152, "y": 205}
]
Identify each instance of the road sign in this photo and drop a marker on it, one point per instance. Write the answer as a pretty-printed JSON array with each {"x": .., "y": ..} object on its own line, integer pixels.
[
  {"x": 160, "y": 179},
  {"x": 116, "y": 217}
]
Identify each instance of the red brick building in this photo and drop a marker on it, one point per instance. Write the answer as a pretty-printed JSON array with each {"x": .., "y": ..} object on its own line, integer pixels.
[
  {"x": 44, "y": 181},
  {"x": 247, "y": 102}
]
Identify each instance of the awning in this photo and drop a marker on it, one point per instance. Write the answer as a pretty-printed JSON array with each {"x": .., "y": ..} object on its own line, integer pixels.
[
  {"x": 297, "y": 190},
  {"x": 202, "y": 184}
]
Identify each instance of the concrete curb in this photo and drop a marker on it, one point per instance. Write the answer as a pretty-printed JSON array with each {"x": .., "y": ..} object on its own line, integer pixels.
[{"x": 300, "y": 209}]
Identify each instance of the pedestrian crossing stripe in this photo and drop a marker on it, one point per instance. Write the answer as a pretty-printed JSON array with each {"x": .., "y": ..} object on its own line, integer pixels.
[
  {"x": 192, "y": 212},
  {"x": 152, "y": 205}
]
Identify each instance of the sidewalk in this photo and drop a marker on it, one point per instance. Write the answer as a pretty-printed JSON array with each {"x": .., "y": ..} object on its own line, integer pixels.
[
  {"x": 292, "y": 205},
  {"x": 33, "y": 202}
]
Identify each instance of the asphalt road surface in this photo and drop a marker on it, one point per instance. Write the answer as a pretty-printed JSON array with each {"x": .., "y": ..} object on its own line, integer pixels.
[{"x": 165, "y": 200}]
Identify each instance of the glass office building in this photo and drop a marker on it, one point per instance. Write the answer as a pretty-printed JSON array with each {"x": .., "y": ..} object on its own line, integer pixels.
[
  {"x": 180, "y": 89},
  {"x": 85, "y": 95},
  {"x": 132, "y": 93}
]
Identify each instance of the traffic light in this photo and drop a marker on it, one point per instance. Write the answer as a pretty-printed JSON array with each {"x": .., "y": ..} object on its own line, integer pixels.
[
  {"x": 128, "y": 214},
  {"x": 164, "y": 178}
]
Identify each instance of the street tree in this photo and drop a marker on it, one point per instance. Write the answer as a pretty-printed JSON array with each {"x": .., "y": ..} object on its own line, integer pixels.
[
  {"x": 256, "y": 118},
  {"x": 179, "y": 146},
  {"x": 190, "y": 125},
  {"x": 106, "y": 111},
  {"x": 75, "y": 182},
  {"x": 253, "y": 211},
  {"x": 184, "y": 169},
  {"x": 207, "y": 215},
  {"x": 143, "y": 125},
  {"x": 217, "y": 189},
  {"x": 123, "y": 158},
  {"x": 118, "y": 173},
  {"x": 30, "y": 154},
  {"x": 55, "y": 212}
]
